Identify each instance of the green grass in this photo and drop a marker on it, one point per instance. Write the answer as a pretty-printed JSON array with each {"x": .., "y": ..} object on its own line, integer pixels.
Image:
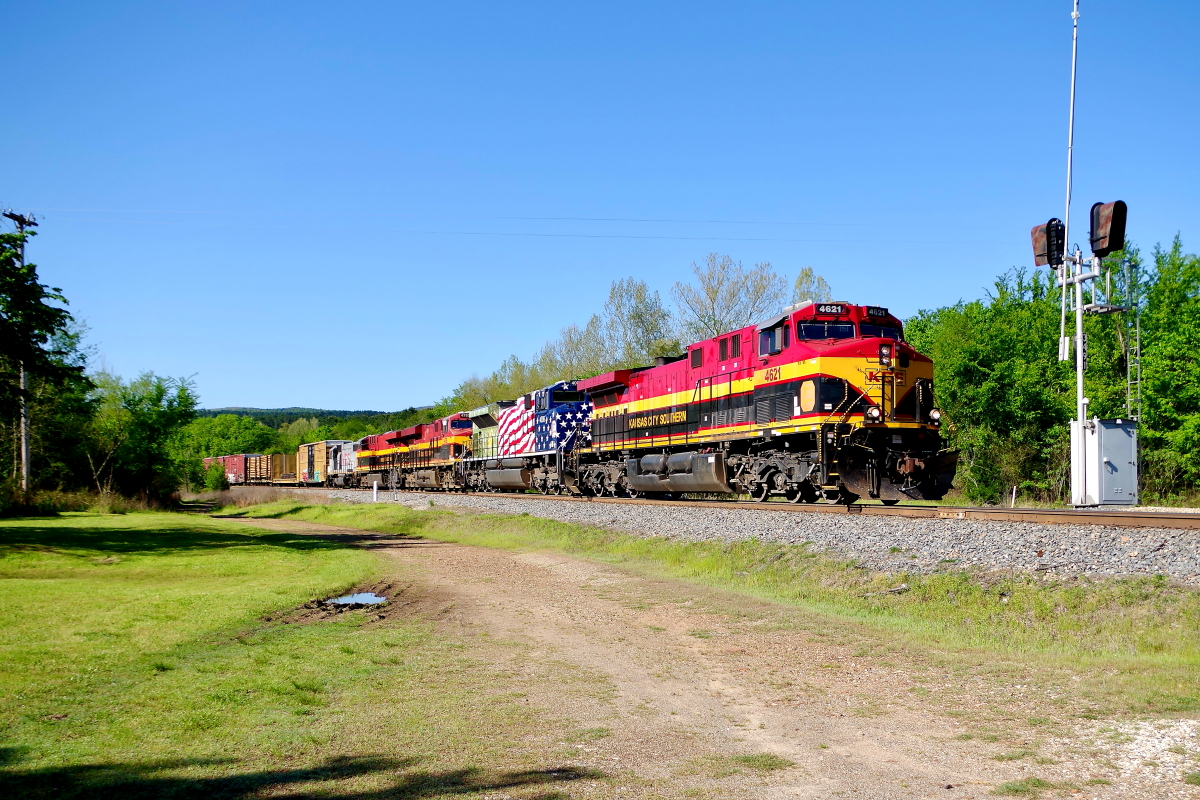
[
  {"x": 136, "y": 661},
  {"x": 1133, "y": 644},
  {"x": 1027, "y": 787},
  {"x": 764, "y": 762}
]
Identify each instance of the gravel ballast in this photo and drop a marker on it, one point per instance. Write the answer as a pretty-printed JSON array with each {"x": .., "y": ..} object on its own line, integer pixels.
[{"x": 882, "y": 543}]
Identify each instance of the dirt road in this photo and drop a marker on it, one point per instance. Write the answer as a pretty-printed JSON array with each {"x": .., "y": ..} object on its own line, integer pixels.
[{"x": 676, "y": 683}]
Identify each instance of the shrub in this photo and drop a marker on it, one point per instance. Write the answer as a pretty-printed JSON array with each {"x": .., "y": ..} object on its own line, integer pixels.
[{"x": 214, "y": 477}]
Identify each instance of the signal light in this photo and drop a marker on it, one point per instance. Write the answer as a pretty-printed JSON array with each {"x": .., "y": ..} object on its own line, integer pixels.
[
  {"x": 885, "y": 354},
  {"x": 1049, "y": 243},
  {"x": 1108, "y": 227},
  {"x": 873, "y": 413}
]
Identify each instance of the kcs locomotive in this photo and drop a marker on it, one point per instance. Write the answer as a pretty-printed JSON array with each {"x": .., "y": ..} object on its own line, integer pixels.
[{"x": 825, "y": 401}]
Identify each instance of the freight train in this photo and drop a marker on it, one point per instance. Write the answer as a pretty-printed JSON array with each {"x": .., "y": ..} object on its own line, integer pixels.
[{"x": 824, "y": 401}]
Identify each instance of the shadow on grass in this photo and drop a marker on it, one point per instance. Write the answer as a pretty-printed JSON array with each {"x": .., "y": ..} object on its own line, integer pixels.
[
  {"x": 401, "y": 780},
  {"x": 159, "y": 540},
  {"x": 386, "y": 533}
]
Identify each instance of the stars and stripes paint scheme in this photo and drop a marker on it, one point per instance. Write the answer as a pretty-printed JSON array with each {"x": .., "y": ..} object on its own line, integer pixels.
[
  {"x": 516, "y": 433},
  {"x": 557, "y": 417}
]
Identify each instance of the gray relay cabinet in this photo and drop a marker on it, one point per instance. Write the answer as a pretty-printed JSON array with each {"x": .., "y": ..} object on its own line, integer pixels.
[{"x": 1109, "y": 463}]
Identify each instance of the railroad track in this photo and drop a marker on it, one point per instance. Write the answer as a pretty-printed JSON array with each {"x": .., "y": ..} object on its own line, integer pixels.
[{"x": 1051, "y": 516}]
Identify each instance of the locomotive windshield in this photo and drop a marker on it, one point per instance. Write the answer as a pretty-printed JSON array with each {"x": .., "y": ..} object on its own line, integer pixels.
[
  {"x": 880, "y": 331},
  {"x": 567, "y": 397},
  {"x": 825, "y": 330}
]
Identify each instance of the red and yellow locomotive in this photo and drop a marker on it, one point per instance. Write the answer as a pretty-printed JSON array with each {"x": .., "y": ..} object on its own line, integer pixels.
[
  {"x": 825, "y": 400},
  {"x": 424, "y": 456}
]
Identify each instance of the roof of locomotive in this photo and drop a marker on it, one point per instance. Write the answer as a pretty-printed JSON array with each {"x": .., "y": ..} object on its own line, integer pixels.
[{"x": 830, "y": 311}]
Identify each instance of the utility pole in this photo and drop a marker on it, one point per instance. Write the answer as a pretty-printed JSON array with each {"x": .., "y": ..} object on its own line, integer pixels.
[{"x": 23, "y": 222}]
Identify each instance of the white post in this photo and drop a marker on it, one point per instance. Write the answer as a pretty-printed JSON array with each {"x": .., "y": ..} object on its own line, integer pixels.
[
  {"x": 1078, "y": 481},
  {"x": 375, "y": 492}
]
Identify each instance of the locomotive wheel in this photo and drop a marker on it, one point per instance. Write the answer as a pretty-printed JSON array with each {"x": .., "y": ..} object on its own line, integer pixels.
[
  {"x": 794, "y": 496},
  {"x": 633, "y": 494},
  {"x": 889, "y": 502},
  {"x": 805, "y": 493},
  {"x": 759, "y": 492}
]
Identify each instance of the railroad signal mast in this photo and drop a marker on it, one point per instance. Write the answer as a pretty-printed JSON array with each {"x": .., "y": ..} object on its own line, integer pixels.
[{"x": 1103, "y": 452}]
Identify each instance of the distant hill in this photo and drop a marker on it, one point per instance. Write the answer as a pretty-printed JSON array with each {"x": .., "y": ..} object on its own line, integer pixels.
[{"x": 274, "y": 417}]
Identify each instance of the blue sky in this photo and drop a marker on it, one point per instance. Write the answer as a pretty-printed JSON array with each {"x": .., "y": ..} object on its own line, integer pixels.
[{"x": 357, "y": 206}]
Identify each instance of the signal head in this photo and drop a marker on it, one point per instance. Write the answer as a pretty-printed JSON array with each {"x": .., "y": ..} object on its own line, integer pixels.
[
  {"x": 1048, "y": 243},
  {"x": 1108, "y": 227}
]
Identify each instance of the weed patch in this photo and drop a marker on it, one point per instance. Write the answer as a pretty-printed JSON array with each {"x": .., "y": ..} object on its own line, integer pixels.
[
  {"x": 1027, "y": 787},
  {"x": 764, "y": 762}
]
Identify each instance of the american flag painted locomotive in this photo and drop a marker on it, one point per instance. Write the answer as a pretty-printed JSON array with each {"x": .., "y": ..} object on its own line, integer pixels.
[{"x": 823, "y": 401}]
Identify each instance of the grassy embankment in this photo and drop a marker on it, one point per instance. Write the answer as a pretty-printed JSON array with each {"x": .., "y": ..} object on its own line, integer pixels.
[
  {"x": 135, "y": 661},
  {"x": 1112, "y": 646}
]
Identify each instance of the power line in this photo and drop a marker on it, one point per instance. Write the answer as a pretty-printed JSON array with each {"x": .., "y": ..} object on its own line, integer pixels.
[
  {"x": 543, "y": 235},
  {"x": 654, "y": 220}
]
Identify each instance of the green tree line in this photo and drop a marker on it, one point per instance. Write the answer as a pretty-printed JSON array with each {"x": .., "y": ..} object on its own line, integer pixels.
[{"x": 87, "y": 429}]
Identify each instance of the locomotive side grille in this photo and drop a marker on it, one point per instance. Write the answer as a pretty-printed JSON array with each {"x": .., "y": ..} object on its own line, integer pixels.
[{"x": 773, "y": 403}]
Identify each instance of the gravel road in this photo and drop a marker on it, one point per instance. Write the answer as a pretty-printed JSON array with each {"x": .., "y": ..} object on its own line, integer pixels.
[{"x": 881, "y": 543}]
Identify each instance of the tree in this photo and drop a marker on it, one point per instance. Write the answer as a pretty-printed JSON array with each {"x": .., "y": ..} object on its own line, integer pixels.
[
  {"x": 810, "y": 288},
  {"x": 215, "y": 479},
  {"x": 1007, "y": 399},
  {"x": 28, "y": 322},
  {"x": 58, "y": 404},
  {"x": 638, "y": 327},
  {"x": 130, "y": 436},
  {"x": 225, "y": 434},
  {"x": 727, "y": 296},
  {"x": 296, "y": 433},
  {"x": 1171, "y": 369}
]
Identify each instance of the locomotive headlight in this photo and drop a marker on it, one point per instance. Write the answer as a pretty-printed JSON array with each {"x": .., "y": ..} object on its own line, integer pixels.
[
  {"x": 885, "y": 354},
  {"x": 935, "y": 415},
  {"x": 873, "y": 414}
]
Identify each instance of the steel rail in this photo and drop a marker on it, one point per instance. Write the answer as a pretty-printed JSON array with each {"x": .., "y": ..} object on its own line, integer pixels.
[{"x": 1045, "y": 516}]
